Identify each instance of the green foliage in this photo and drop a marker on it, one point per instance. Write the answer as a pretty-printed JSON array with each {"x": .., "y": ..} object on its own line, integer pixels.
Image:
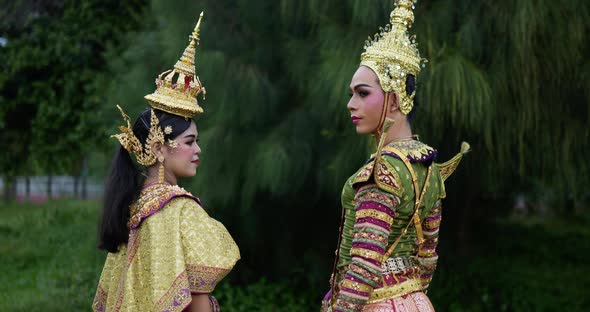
[
  {"x": 276, "y": 137},
  {"x": 49, "y": 258},
  {"x": 49, "y": 262},
  {"x": 53, "y": 72},
  {"x": 510, "y": 270},
  {"x": 264, "y": 296},
  {"x": 510, "y": 77}
]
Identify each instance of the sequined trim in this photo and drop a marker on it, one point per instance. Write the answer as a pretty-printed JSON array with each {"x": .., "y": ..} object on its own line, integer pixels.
[
  {"x": 433, "y": 223},
  {"x": 369, "y": 237},
  {"x": 364, "y": 174},
  {"x": 152, "y": 199},
  {"x": 132, "y": 247},
  {"x": 203, "y": 279},
  {"x": 356, "y": 286},
  {"x": 178, "y": 296},
  {"x": 100, "y": 301},
  {"x": 370, "y": 193},
  {"x": 388, "y": 179},
  {"x": 415, "y": 151},
  {"x": 369, "y": 254},
  {"x": 385, "y": 176},
  {"x": 347, "y": 306},
  {"x": 374, "y": 214},
  {"x": 397, "y": 265},
  {"x": 396, "y": 290}
]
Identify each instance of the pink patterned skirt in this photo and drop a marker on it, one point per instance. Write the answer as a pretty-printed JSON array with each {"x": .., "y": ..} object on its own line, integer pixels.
[{"x": 413, "y": 302}]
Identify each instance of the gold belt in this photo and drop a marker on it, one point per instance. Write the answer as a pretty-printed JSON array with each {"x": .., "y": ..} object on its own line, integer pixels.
[{"x": 396, "y": 290}]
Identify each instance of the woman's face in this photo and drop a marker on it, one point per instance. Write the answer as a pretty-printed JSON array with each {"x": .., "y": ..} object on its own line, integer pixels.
[
  {"x": 366, "y": 100},
  {"x": 183, "y": 160}
]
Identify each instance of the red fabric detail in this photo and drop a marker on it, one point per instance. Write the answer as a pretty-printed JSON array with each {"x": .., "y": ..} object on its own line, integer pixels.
[{"x": 187, "y": 82}]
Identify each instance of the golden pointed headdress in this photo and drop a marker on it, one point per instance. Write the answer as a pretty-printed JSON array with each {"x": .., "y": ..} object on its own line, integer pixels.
[
  {"x": 392, "y": 54},
  {"x": 178, "y": 88}
]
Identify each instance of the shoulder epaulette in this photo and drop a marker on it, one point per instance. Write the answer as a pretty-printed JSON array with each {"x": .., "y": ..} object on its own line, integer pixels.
[{"x": 447, "y": 168}]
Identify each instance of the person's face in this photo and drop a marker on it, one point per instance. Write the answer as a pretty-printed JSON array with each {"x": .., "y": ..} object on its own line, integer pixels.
[
  {"x": 366, "y": 100},
  {"x": 183, "y": 160}
]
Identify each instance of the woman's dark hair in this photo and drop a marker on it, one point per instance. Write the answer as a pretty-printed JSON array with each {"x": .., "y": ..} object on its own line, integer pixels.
[
  {"x": 410, "y": 87},
  {"x": 125, "y": 180}
]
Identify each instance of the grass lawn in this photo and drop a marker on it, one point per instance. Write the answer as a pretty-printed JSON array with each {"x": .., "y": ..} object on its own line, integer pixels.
[
  {"x": 48, "y": 262},
  {"x": 48, "y": 257}
]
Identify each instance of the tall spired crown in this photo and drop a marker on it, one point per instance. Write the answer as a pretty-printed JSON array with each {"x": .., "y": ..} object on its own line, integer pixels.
[
  {"x": 392, "y": 54},
  {"x": 178, "y": 88}
]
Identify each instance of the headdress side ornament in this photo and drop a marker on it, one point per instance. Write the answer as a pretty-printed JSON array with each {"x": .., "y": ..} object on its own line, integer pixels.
[
  {"x": 178, "y": 88},
  {"x": 392, "y": 54},
  {"x": 131, "y": 143}
]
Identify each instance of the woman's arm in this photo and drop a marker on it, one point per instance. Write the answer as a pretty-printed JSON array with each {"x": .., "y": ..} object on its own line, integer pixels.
[
  {"x": 427, "y": 256},
  {"x": 200, "y": 303},
  {"x": 375, "y": 211}
]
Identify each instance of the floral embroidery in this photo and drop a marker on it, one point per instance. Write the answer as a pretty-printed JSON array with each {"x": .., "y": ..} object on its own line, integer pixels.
[
  {"x": 152, "y": 199},
  {"x": 415, "y": 151},
  {"x": 177, "y": 297},
  {"x": 203, "y": 279}
]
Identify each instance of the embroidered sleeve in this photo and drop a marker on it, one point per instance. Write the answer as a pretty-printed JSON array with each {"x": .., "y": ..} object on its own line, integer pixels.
[
  {"x": 209, "y": 250},
  {"x": 427, "y": 256},
  {"x": 375, "y": 210}
]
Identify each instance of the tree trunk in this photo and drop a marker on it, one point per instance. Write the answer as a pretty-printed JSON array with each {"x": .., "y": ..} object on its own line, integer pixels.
[{"x": 9, "y": 189}]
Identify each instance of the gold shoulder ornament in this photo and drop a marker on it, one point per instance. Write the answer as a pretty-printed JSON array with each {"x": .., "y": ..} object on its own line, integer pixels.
[
  {"x": 382, "y": 172},
  {"x": 447, "y": 168}
]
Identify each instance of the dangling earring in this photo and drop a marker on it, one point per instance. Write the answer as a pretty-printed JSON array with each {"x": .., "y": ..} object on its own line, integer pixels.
[{"x": 161, "y": 170}]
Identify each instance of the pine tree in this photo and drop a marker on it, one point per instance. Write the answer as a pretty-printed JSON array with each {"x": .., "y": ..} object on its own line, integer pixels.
[{"x": 509, "y": 77}]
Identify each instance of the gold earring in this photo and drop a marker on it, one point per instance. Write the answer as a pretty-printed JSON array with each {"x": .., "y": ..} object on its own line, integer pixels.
[{"x": 161, "y": 170}]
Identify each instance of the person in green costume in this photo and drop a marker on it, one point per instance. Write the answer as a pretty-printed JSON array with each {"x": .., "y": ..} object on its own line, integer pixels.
[{"x": 391, "y": 207}]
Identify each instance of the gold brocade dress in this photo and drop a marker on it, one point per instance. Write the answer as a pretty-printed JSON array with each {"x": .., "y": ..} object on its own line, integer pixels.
[{"x": 174, "y": 249}]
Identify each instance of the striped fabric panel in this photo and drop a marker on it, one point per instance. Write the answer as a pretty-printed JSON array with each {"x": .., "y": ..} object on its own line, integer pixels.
[
  {"x": 372, "y": 222},
  {"x": 427, "y": 256},
  {"x": 354, "y": 294},
  {"x": 375, "y": 212}
]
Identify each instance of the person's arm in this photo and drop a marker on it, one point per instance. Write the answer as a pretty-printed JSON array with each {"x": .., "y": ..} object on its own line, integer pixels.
[
  {"x": 375, "y": 211},
  {"x": 200, "y": 303},
  {"x": 209, "y": 254},
  {"x": 427, "y": 256}
]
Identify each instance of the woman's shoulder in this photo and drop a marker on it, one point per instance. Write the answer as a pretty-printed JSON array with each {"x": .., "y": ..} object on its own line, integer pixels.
[
  {"x": 390, "y": 173},
  {"x": 415, "y": 152},
  {"x": 154, "y": 198}
]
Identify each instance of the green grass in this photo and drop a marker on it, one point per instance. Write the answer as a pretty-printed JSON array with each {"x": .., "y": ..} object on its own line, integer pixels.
[
  {"x": 48, "y": 262},
  {"x": 48, "y": 257}
]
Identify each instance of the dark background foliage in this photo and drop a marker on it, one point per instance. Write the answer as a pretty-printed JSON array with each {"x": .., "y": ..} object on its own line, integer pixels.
[{"x": 509, "y": 77}]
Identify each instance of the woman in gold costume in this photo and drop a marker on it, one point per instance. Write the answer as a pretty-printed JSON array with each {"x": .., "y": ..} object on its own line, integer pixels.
[
  {"x": 164, "y": 252},
  {"x": 391, "y": 207}
]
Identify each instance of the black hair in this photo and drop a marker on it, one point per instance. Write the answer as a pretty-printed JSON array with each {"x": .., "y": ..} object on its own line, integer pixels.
[
  {"x": 411, "y": 87},
  {"x": 125, "y": 180}
]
